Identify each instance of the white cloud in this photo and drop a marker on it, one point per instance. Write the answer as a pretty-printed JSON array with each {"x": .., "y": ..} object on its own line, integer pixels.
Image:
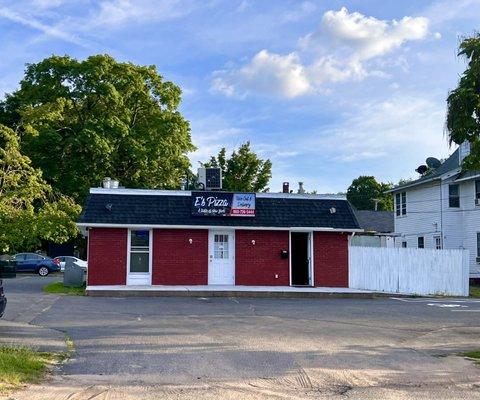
[
  {"x": 48, "y": 30},
  {"x": 113, "y": 13},
  {"x": 340, "y": 50},
  {"x": 405, "y": 128},
  {"x": 268, "y": 73}
]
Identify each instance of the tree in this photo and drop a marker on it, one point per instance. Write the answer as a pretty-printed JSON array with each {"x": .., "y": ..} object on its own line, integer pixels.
[
  {"x": 244, "y": 171},
  {"x": 29, "y": 210},
  {"x": 80, "y": 121},
  {"x": 364, "y": 190},
  {"x": 463, "y": 114}
]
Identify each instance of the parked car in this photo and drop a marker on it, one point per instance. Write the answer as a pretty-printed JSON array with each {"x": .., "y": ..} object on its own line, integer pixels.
[
  {"x": 32, "y": 262},
  {"x": 63, "y": 259},
  {"x": 3, "y": 299},
  {"x": 8, "y": 269}
]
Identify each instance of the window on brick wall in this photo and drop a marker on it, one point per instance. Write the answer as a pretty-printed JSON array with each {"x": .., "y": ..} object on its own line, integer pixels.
[{"x": 139, "y": 250}]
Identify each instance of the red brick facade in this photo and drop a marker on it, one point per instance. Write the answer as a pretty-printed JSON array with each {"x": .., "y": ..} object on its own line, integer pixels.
[
  {"x": 330, "y": 259},
  {"x": 176, "y": 261},
  {"x": 107, "y": 256},
  {"x": 257, "y": 264}
]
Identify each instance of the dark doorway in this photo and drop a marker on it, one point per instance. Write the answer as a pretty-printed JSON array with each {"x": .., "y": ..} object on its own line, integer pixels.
[{"x": 300, "y": 258}]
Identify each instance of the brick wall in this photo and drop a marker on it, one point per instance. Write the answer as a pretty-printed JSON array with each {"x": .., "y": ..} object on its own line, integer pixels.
[
  {"x": 257, "y": 264},
  {"x": 176, "y": 261},
  {"x": 331, "y": 259},
  {"x": 107, "y": 256}
]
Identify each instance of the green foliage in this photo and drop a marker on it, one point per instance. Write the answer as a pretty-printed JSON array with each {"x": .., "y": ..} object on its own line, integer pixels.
[
  {"x": 60, "y": 288},
  {"x": 463, "y": 115},
  {"x": 19, "y": 365},
  {"x": 29, "y": 210},
  {"x": 475, "y": 291},
  {"x": 81, "y": 121},
  {"x": 474, "y": 355},
  {"x": 244, "y": 171},
  {"x": 364, "y": 189}
]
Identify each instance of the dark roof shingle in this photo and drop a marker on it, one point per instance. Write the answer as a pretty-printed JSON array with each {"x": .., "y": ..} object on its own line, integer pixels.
[
  {"x": 376, "y": 221},
  {"x": 134, "y": 209}
]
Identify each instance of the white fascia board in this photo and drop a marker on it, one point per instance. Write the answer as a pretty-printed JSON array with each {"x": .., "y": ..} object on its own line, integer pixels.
[
  {"x": 410, "y": 185},
  {"x": 251, "y": 228},
  {"x": 154, "y": 192},
  {"x": 468, "y": 178}
]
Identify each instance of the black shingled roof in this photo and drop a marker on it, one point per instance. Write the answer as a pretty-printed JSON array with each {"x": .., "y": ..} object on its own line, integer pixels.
[
  {"x": 376, "y": 221},
  {"x": 151, "y": 209}
]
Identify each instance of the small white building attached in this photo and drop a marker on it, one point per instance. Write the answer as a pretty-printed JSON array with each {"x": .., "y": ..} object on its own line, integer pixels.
[{"x": 441, "y": 210}]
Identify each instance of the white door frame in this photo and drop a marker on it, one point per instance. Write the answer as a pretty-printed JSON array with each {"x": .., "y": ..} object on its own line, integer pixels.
[
  {"x": 231, "y": 233},
  {"x": 147, "y": 276},
  {"x": 311, "y": 272}
]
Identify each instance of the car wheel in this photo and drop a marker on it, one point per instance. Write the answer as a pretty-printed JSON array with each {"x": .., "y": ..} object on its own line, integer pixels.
[{"x": 43, "y": 271}]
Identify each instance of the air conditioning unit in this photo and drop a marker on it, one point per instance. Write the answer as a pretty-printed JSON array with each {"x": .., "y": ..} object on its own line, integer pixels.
[
  {"x": 210, "y": 178},
  {"x": 477, "y": 201}
]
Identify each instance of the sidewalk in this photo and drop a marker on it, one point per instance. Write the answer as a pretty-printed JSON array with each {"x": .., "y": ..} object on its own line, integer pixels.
[
  {"x": 35, "y": 337},
  {"x": 230, "y": 291}
]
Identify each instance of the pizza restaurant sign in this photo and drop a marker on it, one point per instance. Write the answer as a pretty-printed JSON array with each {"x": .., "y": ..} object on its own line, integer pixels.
[{"x": 223, "y": 204}]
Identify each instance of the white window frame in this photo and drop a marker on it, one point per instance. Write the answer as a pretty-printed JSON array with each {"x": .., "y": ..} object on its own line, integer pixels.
[
  {"x": 457, "y": 197},
  {"x": 311, "y": 255},
  {"x": 400, "y": 204},
  {"x": 477, "y": 192},
  {"x": 423, "y": 242},
  {"x": 132, "y": 276},
  {"x": 438, "y": 242}
]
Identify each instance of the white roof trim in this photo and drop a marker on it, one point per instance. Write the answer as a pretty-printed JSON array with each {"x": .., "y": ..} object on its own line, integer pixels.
[
  {"x": 468, "y": 178},
  {"x": 254, "y": 228},
  {"x": 155, "y": 192}
]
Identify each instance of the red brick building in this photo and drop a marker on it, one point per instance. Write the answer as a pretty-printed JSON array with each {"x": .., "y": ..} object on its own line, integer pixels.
[{"x": 156, "y": 237}]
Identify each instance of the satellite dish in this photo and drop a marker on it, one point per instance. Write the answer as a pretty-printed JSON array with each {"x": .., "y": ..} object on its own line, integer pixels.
[
  {"x": 433, "y": 162},
  {"x": 422, "y": 169}
]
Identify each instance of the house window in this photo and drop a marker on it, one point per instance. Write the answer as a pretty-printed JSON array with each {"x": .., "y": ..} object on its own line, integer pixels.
[
  {"x": 421, "y": 242},
  {"x": 477, "y": 192},
  {"x": 453, "y": 195},
  {"x": 139, "y": 251},
  {"x": 401, "y": 204},
  {"x": 404, "y": 244},
  {"x": 438, "y": 242},
  {"x": 220, "y": 246},
  {"x": 478, "y": 247}
]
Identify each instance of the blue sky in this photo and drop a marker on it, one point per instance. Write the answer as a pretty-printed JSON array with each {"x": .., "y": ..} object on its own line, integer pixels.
[{"x": 327, "y": 90}]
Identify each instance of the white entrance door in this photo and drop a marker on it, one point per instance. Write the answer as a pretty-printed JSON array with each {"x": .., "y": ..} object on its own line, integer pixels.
[
  {"x": 221, "y": 258},
  {"x": 139, "y": 260}
]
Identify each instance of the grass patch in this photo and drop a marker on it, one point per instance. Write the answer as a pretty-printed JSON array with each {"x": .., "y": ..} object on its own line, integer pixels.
[
  {"x": 473, "y": 355},
  {"x": 20, "y": 365},
  {"x": 59, "y": 288},
  {"x": 474, "y": 291}
]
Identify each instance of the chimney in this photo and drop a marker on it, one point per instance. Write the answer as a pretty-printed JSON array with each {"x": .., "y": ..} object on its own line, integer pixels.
[
  {"x": 463, "y": 151},
  {"x": 301, "y": 190},
  {"x": 286, "y": 187}
]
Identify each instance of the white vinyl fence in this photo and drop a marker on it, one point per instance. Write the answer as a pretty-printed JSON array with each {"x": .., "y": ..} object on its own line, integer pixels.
[{"x": 409, "y": 271}]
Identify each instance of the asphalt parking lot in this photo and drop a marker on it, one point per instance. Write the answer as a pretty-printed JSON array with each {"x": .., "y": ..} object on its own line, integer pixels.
[{"x": 241, "y": 348}]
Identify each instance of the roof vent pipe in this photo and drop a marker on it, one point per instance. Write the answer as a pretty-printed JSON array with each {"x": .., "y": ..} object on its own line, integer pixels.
[
  {"x": 301, "y": 190},
  {"x": 109, "y": 183},
  {"x": 106, "y": 182},
  {"x": 286, "y": 187}
]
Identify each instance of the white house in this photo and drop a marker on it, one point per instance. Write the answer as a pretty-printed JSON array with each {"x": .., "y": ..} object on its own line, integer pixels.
[{"x": 441, "y": 210}]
